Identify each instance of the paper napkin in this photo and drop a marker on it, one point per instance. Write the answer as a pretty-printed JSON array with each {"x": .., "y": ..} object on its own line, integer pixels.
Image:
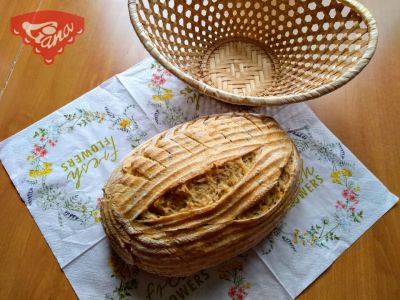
[{"x": 60, "y": 164}]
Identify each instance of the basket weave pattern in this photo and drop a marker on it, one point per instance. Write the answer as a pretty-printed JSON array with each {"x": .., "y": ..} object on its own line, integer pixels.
[{"x": 258, "y": 52}]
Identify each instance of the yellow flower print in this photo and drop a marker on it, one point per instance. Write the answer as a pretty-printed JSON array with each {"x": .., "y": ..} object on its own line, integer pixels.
[
  {"x": 124, "y": 123},
  {"x": 346, "y": 172},
  {"x": 166, "y": 95},
  {"x": 47, "y": 169},
  {"x": 335, "y": 175},
  {"x": 34, "y": 173},
  {"x": 96, "y": 216},
  {"x": 247, "y": 285},
  {"x": 47, "y": 165}
]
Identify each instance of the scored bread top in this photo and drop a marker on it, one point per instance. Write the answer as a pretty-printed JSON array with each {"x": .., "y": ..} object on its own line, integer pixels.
[{"x": 200, "y": 193}]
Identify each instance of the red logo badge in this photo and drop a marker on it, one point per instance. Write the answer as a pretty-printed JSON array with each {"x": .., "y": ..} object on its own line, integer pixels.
[{"x": 47, "y": 31}]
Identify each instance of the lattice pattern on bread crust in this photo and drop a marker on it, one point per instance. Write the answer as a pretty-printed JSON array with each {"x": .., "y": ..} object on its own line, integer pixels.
[
  {"x": 200, "y": 193},
  {"x": 259, "y": 48}
]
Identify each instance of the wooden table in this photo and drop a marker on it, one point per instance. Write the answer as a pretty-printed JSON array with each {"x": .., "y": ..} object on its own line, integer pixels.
[{"x": 364, "y": 114}]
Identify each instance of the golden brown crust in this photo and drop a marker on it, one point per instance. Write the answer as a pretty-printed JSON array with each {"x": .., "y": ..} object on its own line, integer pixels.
[{"x": 200, "y": 193}]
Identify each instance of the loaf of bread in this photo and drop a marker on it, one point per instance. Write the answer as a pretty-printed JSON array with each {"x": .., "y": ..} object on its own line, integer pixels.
[{"x": 200, "y": 193}]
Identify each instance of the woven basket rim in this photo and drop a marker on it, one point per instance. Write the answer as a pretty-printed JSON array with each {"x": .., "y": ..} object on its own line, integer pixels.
[{"x": 263, "y": 100}]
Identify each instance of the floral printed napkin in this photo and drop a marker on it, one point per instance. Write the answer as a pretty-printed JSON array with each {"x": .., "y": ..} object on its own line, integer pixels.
[{"x": 60, "y": 164}]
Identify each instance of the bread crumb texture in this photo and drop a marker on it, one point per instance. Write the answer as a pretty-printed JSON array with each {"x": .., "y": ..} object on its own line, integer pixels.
[
  {"x": 204, "y": 189},
  {"x": 200, "y": 193}
]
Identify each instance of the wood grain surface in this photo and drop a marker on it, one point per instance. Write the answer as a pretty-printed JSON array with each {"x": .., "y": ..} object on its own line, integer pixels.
[{"x": 364, "y": 114}]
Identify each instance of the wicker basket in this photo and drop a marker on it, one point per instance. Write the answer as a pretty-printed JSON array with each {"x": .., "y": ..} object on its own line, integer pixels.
[{"x": 258, "y": 52}]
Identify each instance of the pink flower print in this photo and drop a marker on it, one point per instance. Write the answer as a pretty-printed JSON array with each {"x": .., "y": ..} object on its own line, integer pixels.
[
  {"x": 232, "y": 292},
  {"x": 154, "y": 79},
  {"x": 43, "y": 152},
  {"x": 167, "y": 73},
  {"x": 158, "y": 80},
  {"x": 349, "y": 195},
  {"x": 352, "y": 209},
  {"x": 42, "y": 139},
  {"x": 52, "y": 143},
  {"x": 37, "y": 150},
  {"x": 352, "y": 197},
  {"x": 161, "y": 81},
  {"x": 240, "y": 296},
  {"x": 340, "y": 204}
]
